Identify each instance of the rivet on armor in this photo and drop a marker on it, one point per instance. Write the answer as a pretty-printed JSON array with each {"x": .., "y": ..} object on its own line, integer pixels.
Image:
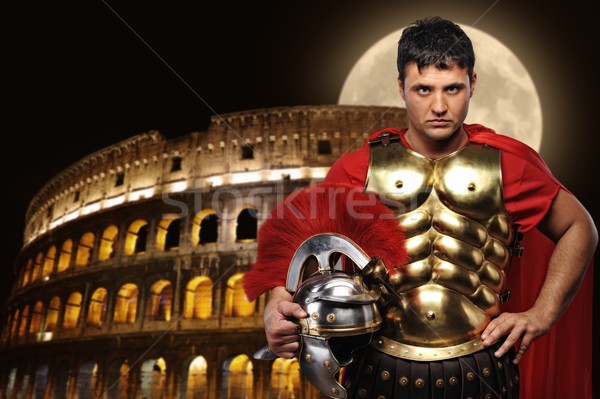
[
  {"x": 517, "y": 379},
  {"x": 403, "y": 381},
  {"x": 330, "y": 317},
  {"x": 486, "y": 372},
  {"x": 470, "y": 376},
  {"x": 500, "y": 365},
  {"x": 453, "y": 380},
  {"x": 510, "y": 384},
  {"x": 381, "y": 397},
  {"x": 385, "y": 375},
  {"x": 439, "y": 383},
  {"x": 488, "y": 396},
  {"x": 503, "y": 390},
  {"x": 430, "y": 315},
  {"x": 327, "y": 364},
  {"x": 308, "y": 358},
  {"x": 315, "y": 316},
  {"x": 471, "y": 187},
  {"x": 334, "y": 391},
  {"x": 368, "y": 369},
  {"x": 362, "y": 393},
  {"x": 399, "y": 184},
  {"x": 419, "y": 383}
]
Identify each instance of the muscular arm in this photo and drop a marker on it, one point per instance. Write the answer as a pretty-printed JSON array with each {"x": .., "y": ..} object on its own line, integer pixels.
[
  {"x": 570, "y": 226},
  {"x": 281, "y": 333}
]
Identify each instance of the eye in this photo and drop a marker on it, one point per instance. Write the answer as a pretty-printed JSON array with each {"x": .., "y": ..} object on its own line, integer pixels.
[
  {"x": 452, "y": 89},
  {"x": 423, "y": 90}
]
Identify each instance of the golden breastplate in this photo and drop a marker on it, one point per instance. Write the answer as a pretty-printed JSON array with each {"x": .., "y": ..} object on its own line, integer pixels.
[{"x": 457, "y": 236}]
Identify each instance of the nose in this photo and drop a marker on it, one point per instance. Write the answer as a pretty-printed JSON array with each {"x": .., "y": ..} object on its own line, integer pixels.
[{"x": 439, "y": 106}]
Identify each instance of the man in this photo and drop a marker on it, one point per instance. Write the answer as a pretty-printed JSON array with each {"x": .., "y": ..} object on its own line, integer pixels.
[{"x": 464, "y": 195}]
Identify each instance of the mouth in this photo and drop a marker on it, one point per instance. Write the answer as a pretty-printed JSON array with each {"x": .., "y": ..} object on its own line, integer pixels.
[{"x": 438, "y": 122}]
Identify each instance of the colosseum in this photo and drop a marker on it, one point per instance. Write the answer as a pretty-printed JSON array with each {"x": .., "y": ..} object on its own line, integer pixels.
[{"x": 129, "y": 279}]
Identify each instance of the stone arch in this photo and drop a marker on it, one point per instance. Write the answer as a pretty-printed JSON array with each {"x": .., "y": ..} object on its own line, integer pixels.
[
  {"x": 285, "y": 378},
  {"x": 52, "y": 313},
  {"x": 117, "y": 380},
  {"x": 37, "y": 267},
  {"x": 84, "y": 250},
  {"x": 167, "y": 234},
  {"x": 49, "y": 263},
  {"x": 160, "y": 301},
  {"x": 108, "y": 243},
  {"x": 35, "y": 324},
  {"x": 96, "y": 315},
  {"x": 66, "y": 252},
  {"x": 27, "y": 273},
  {"x": 236, "y": 303},
  {"x": 238, "y": 378},
  {"x": 194, "y": 383},
  {"x": 136, "y": 237},
  {"x": 72, "y": 311},
  {"x": 247, "y": 225},
  {"x": 152, "y": 378},
  {"x": 198, "y": 298},
  {"x": 205, "y": 228},
  {"x": 126, "y": 304},
  {"x": 23, "y": 322},
  {"x": 40, "y": 382},
  {"x": 87, "y": 377}
]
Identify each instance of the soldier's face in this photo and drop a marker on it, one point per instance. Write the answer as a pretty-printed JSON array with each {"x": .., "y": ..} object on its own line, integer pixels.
[{"x": 437, "y": 100}]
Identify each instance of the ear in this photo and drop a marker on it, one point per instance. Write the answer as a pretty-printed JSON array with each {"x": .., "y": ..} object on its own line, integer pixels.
[
  {"x": 473, "y": 84},
  {"x": 401, "y": 87}
]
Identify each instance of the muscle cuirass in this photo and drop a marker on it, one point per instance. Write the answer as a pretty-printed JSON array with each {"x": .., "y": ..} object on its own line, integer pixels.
[{"x": 458, "y": 235}]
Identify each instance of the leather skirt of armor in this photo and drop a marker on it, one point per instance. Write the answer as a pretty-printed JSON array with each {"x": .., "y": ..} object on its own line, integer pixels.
[{"x": 376, "y": 375}]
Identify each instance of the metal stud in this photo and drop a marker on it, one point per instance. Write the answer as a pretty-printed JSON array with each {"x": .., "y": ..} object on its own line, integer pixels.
[
  {"x": 471, "y": 187},
  {"x": 419, "y": 383},
  {"x": 368, "y": 369},
  {"x": 385, "y": 375},
  {"x": 335, "y": 392},
  {"x": 403, "y": 381},
  {"x": 453, "y": 380},
  {"x": 315, "y": 316},
  {"x": 430, "y": 315},
  {"x": 439, "y": 383},
  {"x": 327, "y": 364},
  {"x": 470, "y": 376},
  {"x": 362, "y": 393},
  {"x": 330, "y": 317},
  {"x": 308, "y": 358},
  {"x": 399, "y": 184},
  {"x": 486, "y": 372}
]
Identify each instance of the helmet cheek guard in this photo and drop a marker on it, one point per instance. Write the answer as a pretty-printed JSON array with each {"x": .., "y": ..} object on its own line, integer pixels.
[{"x": 340, "y": 307}]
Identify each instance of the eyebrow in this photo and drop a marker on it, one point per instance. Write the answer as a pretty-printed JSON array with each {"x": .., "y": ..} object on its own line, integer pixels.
[{"x": 459, "y": 85}]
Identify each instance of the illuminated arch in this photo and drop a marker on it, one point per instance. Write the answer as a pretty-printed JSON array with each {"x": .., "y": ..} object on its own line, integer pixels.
[
  {"x": 247, "y": 224},
  {"x": 167, "y": 234},
  {"x": 126, "y": 304},
  {"x": 236, "y": 304},
  {"x": 160, "y": 301},
  {"x": 23, "y": 323},
  {"x": 27, "y": 273},
  {"x": 35, "y": 325},
  {"x": 238, "y": 379},
  {"x": 14, "y": 323},
  {"x": 49, "y": 262},
  {"x": 117, "y": 380},
  {"x": 205, "y": 228},
  {"x": 37, "y": 267},
  {"x": 72, "y": 311},
  {"x": 84, "y": 250},
  {"x": 152, "y": 376},
  {"x": 108, "y": 243},
  {"x": 136, "y": 237},
  {"x": 198, "y": 298},
  {"x": 285, "y": 378},
  {"x": 96, "y": 315},
  {"x": 66, "y": 251},
  {"x": 52, "y": 314},
  {"x": 87, "y": 377},
  {"x": 194, "y": 382}
]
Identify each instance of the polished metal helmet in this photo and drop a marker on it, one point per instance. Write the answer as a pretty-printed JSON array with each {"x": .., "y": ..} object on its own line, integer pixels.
[{"x": 339, "y": 306}]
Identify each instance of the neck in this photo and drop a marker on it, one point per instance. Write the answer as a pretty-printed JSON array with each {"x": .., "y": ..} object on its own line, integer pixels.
[{"x": 435, "y": 149}]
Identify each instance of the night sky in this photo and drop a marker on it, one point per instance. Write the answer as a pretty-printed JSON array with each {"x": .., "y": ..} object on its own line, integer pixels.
[{"x": 80, "y": 79}]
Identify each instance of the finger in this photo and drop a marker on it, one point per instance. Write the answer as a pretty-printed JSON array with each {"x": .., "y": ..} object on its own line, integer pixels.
[
  {"x": 288, "y": 309},
  {"x": 497, "y": 328},
  {"x": 510, "y": 341},
  {"x": 523, "y": 347}
]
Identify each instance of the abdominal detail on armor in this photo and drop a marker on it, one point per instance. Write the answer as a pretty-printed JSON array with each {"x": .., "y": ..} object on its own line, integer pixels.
[{"x": 457, "y": 236}]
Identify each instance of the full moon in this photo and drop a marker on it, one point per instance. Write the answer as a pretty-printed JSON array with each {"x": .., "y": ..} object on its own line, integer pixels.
[{"x": 505, "y": 97}]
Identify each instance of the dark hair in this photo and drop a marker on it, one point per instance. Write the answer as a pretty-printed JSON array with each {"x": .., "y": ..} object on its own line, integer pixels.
[{"x": 435, "y": 42}]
